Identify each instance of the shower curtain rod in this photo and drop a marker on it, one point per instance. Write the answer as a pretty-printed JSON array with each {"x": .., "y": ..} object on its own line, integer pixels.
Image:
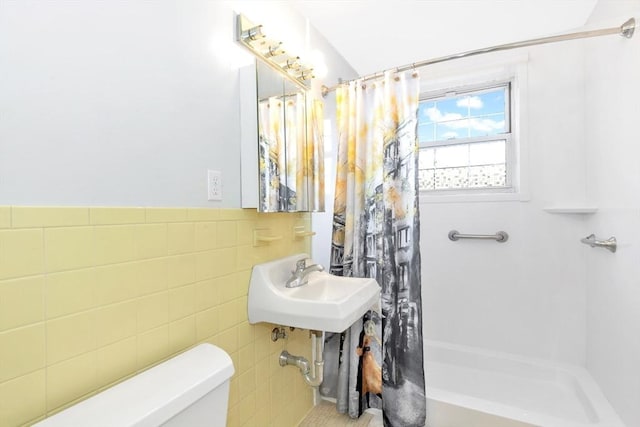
[{"x": 625, "y": 30}]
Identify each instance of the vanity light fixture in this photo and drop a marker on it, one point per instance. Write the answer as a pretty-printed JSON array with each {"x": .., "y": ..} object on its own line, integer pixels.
[
  {"x": 274, "y": 50},
  {"x": 305, "y": 74},
  {"x": 252, "y": 34},
  {"x": 271, "y": 52},
  {"x": 291, "y": 63}
]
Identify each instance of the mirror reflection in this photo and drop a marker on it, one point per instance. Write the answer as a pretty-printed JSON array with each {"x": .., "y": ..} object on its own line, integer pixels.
[{"x": 287, "y": 141}]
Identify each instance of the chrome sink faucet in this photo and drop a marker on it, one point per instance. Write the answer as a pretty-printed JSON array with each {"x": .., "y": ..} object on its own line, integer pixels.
[{"x": 299, "y": 276}]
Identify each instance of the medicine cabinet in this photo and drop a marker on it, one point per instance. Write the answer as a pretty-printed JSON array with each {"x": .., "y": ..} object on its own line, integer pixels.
[{"x": 282, "y": 162}]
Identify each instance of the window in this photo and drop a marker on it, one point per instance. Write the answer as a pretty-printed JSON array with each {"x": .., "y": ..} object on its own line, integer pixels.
[
  {"x": 465, "y": 139},
  {"x": 403, "y": 237}
]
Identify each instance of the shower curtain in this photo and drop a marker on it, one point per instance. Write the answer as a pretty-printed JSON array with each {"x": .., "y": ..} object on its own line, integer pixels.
[{"x": 376, "y": 234}]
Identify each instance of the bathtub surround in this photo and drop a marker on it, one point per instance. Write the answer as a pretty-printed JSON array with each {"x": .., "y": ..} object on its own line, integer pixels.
[
  {"x": 498, "y": 385},
  {"x": 525, "y": 296},
  {"x": 543, "y": 294},
  {"x": 91, "y": 296}
]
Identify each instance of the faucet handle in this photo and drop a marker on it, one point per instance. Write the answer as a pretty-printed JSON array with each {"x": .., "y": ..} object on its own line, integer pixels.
[{"x": 301, "y": 264}]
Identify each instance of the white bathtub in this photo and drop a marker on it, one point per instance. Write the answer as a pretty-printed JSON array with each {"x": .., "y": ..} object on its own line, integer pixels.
[{"x": 468, "y": 386}]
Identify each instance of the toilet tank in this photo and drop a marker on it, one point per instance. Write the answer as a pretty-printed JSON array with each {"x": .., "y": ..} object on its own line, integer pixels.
[{"x": 189, "y": 390}]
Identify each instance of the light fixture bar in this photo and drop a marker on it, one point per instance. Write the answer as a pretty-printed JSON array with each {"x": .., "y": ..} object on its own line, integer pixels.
[
  {"x": 252, "y": 34},
  {"x": 271, "y": 52}
]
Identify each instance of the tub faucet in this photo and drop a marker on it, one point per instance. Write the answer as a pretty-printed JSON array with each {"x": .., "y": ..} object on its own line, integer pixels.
[{"x": 299, "y": 276}]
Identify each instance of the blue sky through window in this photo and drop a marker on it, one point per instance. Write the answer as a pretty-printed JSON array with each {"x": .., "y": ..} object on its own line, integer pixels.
[{"x": 464, "y": 116}]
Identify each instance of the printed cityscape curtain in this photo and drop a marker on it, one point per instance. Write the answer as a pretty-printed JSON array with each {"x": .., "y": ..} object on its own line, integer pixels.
[
  {"x": 271, "y": 153},
  {"x": 291, "y": 153},
  {"x": 376, "y": 234},
  {"x": 313, "y": 171}
]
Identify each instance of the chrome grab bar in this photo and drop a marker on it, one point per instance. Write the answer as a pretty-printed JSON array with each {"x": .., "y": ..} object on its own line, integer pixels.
[
  {"x": 500, "y": 236},
  {"x": 610, "y": 243}
]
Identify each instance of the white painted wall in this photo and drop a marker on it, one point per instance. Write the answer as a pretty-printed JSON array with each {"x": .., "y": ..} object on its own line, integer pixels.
[
  {"x": 613, "y": 159},
  {"x": 127, "y": 103}
]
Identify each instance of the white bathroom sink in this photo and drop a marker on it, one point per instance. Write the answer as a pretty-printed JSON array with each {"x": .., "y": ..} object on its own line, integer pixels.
[{"x": 326, "y": 303}]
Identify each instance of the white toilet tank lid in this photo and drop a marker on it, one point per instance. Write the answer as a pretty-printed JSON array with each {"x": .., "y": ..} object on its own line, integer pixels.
[{"x": 153, "y": 396}]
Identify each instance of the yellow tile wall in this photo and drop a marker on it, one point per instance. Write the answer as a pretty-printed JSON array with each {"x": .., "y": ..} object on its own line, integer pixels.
[{"x": 91, "y": 296}]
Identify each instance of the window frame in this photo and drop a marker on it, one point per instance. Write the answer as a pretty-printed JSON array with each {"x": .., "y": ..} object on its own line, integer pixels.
[
  {"x": 479, "y": 70},
  {"x": 510, "y": 124}
]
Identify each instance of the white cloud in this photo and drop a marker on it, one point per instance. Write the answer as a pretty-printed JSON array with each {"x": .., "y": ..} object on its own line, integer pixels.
[
  {"x": 470, "y": 102},
  {"x": 436, "y": 115}
]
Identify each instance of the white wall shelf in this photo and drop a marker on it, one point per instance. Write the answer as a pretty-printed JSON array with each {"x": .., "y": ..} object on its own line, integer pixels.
[{"x": 571, "y": 210}]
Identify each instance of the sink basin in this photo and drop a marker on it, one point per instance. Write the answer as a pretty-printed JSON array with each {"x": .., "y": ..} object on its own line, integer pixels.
[{"x": 327, "y": 303}]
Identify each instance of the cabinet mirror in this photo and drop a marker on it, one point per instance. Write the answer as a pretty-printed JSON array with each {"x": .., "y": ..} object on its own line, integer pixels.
[
  {"x": 288, "y": 145},
  {"x": 281, "y": 139}
]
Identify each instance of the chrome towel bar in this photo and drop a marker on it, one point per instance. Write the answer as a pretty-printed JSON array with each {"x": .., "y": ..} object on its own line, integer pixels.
[
  {"x": 500, "y": 236},
  {"x": 592, "y": 241}
]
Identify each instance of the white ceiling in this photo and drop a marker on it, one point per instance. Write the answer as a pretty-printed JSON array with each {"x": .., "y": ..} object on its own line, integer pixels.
[{"x": 374, "y": 35}]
